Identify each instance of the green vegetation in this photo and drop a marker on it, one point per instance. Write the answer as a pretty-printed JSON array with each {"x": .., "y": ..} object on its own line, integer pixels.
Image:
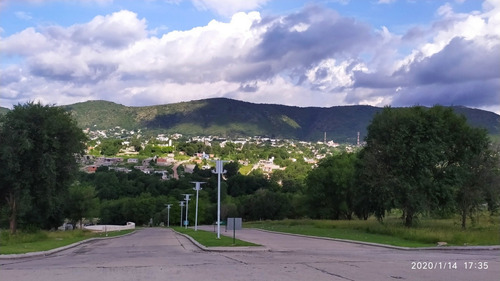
[
  {"x": 425, "y": 163},
  {"x": 392, "y": 232},
  {"x": 37, "y": 152},
  {"x": 231, "y": 118},
  {"x": 209, "y": 239},
  {"x": 418, "y": 159},
  {"x": 38, "y": 240},
  {"x": 3, "y": 110}
]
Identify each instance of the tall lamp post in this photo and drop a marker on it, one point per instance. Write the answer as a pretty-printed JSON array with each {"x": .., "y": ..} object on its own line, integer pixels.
[
  {"x": 218, "y": 170},
  {"x": 197, "y": 188},
  {"x": 187, "y": 205},
  {"x": 168, "y": 214},
  {"x": 181, "y": 203}
]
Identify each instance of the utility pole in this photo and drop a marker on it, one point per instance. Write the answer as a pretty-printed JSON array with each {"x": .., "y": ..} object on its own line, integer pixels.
[
  {"x": 197, "y": 188},
  {"x": 187, "y": 207},
  {"x": 181, "y": 203},
  {"x": 168, "y": 214},
  {"x": 219, "y": 171}
]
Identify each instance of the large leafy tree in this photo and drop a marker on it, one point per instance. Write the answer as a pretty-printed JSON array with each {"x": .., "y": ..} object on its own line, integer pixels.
[
  {"x": 415, "y": 157},
  {"x": 330, "y": 187},
  {"x": 38, "y": 146}
]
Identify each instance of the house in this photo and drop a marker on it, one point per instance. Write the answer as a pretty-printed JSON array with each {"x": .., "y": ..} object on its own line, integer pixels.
[
  {"x": 146, "y": 161},
  {"x": 144, "y": 169},
  {"x": 164, "y": 174},
  {"x": 90, "y": 169},
  {"x": 132, "y": 160},
  {"x": 189, "y": 168},
  {"x": 162, "y": 161}
]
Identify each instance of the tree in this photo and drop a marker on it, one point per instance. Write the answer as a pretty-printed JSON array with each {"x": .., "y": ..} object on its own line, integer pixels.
[
  {"x": 38, "y": 148},
  {"x": 81, "y": 202},
  {"x": 136, "y": 143},
  {"x": 479, "y": 177},
  {"x": 110, "y": 147},
  {"x": 330, "y": 187},
  {"x": 413, "y": 157}
]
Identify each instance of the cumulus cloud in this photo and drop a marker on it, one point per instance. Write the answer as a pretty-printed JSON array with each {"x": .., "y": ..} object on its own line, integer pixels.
[
  {"x": 457, "y": 65},
  {"x": 313, "y": 57}
]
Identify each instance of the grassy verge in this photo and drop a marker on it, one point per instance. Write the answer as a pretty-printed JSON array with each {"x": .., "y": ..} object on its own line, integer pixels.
[
  {"x": 209, "y": 239},
  {"x": 392, "y": 232},
  {"x": 37, "y": 241}
]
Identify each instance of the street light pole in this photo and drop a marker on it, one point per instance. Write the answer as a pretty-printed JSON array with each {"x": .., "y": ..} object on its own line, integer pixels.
[
  {"x": 197, "y": 188},
  {"x": 218, "y": 170},
  {"x": 181, "y": 203},
  {"x": 168, "y": 214},
  {"x": 187, "y": 207}
]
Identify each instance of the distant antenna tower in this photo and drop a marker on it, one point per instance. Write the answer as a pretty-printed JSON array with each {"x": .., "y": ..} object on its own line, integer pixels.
[
  {"x": 358, "y": 138},
  {"x": 324, "y": 138}
]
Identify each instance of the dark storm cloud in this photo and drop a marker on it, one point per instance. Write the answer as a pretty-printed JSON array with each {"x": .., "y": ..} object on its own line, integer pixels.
[
  {"x": 377, "y": 80},
  {"x": 309, "y": 36},
  {"x": 472, "y": 93},
  {"x": 460, "y": 61}
]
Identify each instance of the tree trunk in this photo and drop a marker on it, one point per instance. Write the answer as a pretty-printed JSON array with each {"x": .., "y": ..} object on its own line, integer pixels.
[
  {"x": 464, "y": 217},
  {"x": 408, "y": 218},
  {"x": 11, "y": 201}
]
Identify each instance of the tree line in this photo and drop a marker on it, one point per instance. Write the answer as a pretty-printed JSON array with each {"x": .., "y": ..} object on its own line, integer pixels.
[{"x": 421, "y": 161}]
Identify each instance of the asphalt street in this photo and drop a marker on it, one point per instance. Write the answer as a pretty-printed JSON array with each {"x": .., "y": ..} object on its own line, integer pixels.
[{"x": 161, "y": 254}]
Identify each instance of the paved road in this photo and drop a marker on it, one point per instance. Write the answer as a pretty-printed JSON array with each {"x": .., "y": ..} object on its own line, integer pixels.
[{"x": 160, "y": 254}]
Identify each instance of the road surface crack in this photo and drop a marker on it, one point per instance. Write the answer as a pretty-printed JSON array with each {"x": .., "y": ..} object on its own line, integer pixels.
[{"x": 329, "y": 273}]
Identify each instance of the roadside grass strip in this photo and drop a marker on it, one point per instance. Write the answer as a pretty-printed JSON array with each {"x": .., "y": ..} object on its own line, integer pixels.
[
  {"x": 427, "y": 234},
  {"x": 37, "y": 241},
  {"x": 209, "y": 239}
]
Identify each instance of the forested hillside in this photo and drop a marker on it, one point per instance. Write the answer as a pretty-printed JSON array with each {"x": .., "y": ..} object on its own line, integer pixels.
[{"x": 232, "y": 118}]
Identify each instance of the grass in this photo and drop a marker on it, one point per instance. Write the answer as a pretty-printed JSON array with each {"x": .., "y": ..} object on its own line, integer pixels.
[
  {"x": 26, "y": 242},
  {"x": 209, "y": 239},
  {"x": 426, "y": 234},
  {"x": 244, "y": 170}
]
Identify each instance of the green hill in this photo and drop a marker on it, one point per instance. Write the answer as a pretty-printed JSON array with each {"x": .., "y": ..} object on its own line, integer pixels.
[
  {"x": 3, "y": 110},
  {"x": 231, "y": 118}
]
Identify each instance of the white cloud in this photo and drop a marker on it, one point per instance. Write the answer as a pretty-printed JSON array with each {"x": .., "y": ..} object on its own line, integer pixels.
[
  {"x": 454, "y": 62},
  {"x": 306, "y": 58},
  {"x": 23, "y": 15},
  {"x": 228, "y": 7}
]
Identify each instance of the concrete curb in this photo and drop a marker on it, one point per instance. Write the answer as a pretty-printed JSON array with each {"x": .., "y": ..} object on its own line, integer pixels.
[
  {"x": 50, "y": 252},
  {"x": 224, "y": 249},
  {"x": 440, "y": 248}
]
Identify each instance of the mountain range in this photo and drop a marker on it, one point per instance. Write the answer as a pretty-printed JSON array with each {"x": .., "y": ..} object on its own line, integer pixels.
[{"x": 232, "y": 118}]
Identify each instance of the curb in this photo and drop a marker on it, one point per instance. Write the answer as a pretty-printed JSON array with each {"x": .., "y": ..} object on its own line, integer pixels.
[
  {"x": 224, "y": 249},
  {"x": 439, "y": 248},
  {"x": 56, "y": 250}
]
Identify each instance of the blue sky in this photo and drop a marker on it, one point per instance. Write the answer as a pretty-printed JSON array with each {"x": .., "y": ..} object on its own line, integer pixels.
[{"x": 301, "y": 53}]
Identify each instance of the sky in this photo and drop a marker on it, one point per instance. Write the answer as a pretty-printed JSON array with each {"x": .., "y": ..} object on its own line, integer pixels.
[{"x": 301, "y": 53}]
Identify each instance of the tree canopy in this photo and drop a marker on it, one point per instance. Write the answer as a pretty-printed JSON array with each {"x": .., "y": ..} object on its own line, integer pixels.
[
  {"x": 415, "y": 158},
  {"x": 39, "y": 144}
]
